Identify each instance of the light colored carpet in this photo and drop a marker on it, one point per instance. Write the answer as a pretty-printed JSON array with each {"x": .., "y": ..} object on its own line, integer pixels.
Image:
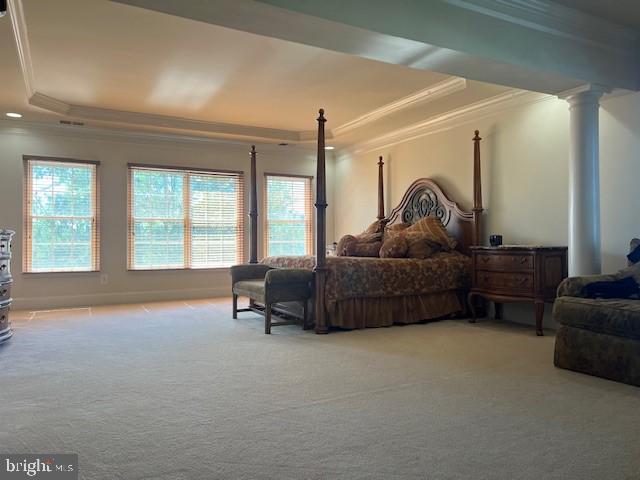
[{"x": 179, "y": 391}]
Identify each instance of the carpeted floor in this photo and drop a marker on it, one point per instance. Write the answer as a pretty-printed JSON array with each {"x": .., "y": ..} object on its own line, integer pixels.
[{"x": 178, "y": 390}]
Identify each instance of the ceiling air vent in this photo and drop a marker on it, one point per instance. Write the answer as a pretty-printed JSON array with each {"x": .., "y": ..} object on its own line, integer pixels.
[{"x": 69, "y": 122}]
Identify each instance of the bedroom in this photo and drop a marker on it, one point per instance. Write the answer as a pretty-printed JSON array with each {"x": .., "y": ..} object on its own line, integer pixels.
[{"x": 101, "y": 344}]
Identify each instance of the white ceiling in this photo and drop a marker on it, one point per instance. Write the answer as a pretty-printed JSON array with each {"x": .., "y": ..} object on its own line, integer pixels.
[
  {"x": 117, "y": 66},
  {"x": 623, "y": 12}
]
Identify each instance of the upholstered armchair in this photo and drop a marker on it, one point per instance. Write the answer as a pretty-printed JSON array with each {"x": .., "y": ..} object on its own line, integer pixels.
[{"x": 598, "y": 336}]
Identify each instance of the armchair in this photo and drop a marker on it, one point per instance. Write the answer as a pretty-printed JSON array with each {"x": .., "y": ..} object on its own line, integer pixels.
[{"x": 599, "y": 337}]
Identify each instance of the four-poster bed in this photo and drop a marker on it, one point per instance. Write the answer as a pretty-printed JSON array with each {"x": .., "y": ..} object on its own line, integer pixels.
[{"x": 350, "y": 292}]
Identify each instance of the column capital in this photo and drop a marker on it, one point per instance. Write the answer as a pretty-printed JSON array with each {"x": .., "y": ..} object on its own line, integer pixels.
[{"x": 584, "y": 94}]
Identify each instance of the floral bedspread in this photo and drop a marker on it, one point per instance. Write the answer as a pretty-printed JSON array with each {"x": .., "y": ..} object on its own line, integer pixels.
[{"x": 358, "y": 277}]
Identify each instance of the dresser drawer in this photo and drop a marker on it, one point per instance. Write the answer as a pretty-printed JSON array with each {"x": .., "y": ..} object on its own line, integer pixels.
[
  {"x": 5, "y": 269},
  {"x": 504, "y": 262},
  {"x": 504, "y": 281},
  {"x": 4, "y": 316},
  {"x": 5, "y": 246},
  {"x": 5, "y": 292}
]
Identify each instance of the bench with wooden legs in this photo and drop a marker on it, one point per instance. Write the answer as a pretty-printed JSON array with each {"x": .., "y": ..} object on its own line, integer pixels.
[{"x": 266, "y": 286}]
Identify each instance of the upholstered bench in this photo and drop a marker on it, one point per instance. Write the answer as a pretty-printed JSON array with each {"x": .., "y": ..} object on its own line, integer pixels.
[{"x": 268, "y": 286}]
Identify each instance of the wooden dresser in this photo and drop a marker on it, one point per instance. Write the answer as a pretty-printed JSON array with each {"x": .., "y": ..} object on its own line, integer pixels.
[
  {"x": 517, "y": 273},
  {"x": 5, "y": 284}
]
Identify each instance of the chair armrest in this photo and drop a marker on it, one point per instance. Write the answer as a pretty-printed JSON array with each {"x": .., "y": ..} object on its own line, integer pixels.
[
  {"x": 288, "y": 276},
  {"x": 572, "y": 286},
  {"x": 248, "y": 272}
]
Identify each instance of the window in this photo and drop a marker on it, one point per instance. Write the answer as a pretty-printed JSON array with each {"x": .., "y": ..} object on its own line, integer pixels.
[
  {"x": 288, "y": 215},
  {"x": 60, "y": 216},
  {"x": 185, "y": 218}
]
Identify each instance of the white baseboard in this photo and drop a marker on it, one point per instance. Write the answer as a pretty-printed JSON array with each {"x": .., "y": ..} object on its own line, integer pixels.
[{"x": 64, "y": 301}]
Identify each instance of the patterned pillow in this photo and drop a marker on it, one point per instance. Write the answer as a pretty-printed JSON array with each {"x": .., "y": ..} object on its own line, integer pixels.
[
  {"x": 375, "y": 227},
  {"x": 366, "y": 249},
  {"x": 346, "y": 246},
  {"x": 395, "y": 246},
  {"x": 369, "y": 237},
  {"x": 421, "y": 244},
  {"x": 433, "y": 227},
  {"x": 392, "y": 230}
]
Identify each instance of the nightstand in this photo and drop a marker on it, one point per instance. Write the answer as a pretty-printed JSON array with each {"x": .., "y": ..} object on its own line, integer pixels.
[{"x": 517, "y": 273}]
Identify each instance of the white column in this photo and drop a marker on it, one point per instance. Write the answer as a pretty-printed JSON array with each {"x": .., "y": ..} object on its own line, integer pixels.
[{"x": 584, "y": 183}]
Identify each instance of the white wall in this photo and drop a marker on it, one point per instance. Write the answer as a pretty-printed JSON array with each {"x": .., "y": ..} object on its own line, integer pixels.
[
  {"x": 525, "y": 175},
  {"x": 114, "y": 152}
]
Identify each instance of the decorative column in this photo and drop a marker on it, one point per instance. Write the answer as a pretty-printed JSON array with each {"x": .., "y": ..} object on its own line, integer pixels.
[{"x": 584, "y": 182}]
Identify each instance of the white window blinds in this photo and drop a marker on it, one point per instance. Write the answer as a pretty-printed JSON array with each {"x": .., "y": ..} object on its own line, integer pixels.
[
  {"x": 185, "y": 218},
  {"x": 288, "y": 215},
  {"x": 60, "y": 216}
]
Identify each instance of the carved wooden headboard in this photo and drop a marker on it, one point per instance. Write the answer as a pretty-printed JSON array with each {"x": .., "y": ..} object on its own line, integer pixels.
[{"x": 425, "y": 198}]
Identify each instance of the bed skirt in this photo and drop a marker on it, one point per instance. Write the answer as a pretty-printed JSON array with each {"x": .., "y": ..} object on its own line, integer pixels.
[
  {"x": 373, "y": 312},
  {"x": 386, "y": 311}
]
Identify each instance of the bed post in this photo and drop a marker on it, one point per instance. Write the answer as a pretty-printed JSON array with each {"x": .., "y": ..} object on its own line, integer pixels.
[
  {"x": 477, "y": 191},
  {"x": 253, "y": 211},
  {"x": 380, "y": 189},
  {"x": 321, "y": 242}
]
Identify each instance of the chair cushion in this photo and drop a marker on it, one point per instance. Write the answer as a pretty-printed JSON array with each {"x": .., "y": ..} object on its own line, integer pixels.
[
  {"x": 611, "y": 316},
  {"x": 250, "y": 288}
]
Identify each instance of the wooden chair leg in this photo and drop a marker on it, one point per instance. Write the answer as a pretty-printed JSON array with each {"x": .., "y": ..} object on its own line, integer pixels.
[
  {"x": 267, "y": 318},
  {"x": 305, "y": 315},
  {"x": 235, "y": 306}
]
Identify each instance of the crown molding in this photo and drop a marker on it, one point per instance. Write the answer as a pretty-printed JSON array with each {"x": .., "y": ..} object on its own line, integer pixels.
[
  {"x": 429, "y": 94},
  {"x": 448, "y": 120},
  {"x": 549, "y": 17},
  {"x": 22, "y": 127},
  {"x": 19, "y": 27}
]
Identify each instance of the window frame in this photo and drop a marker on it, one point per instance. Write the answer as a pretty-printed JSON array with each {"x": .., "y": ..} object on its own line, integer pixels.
[
  {"x": 310, "y": 243},
  {"x": 186, "y": 215},
  {"x": 27, "y": 216}
]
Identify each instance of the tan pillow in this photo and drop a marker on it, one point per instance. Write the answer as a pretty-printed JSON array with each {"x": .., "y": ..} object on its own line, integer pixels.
[
  {"x": 433, "y": 227},
  {"x": 420, "y": 244},
  {"x": 392, "y": 230},
  {"x": 375, "y": 227},
  {"x": 346, "y": 246},
  {"x": 366, "y": 249},
  {"x": 369, "y": 237},
  {"x": 395, "y": 246}
]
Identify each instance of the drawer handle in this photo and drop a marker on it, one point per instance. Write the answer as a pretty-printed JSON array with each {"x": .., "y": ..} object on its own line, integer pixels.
[
  {"x": 3, "y": 266},
  {"x": 486, "y": 259},
  {"x": 523, "y": 280},
  {"x": 3, "y": 318},
  {"x": 3, "y": 292}
]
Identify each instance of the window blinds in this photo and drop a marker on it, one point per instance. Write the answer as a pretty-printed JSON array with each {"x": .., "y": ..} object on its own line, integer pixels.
[
  {"x": 288, "y": 215},
  {"x": 61, "y": 216},
  {"x": 185, "y": 218}
]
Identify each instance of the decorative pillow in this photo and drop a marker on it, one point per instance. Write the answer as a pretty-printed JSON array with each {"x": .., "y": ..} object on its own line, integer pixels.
[
  {"x": 375, "y": 227},
  {"x": 346, "y": 246},
  {"x": 392, "y": 230},
  {"x": 420, "y": 244},
  {"x": 634, "y": 255},
  {"x": 395, "y": 246},
  {"x": 369, "y": 237},
  {"x": 434, "y": 228},
  {"x": 366, "y": 249}
]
